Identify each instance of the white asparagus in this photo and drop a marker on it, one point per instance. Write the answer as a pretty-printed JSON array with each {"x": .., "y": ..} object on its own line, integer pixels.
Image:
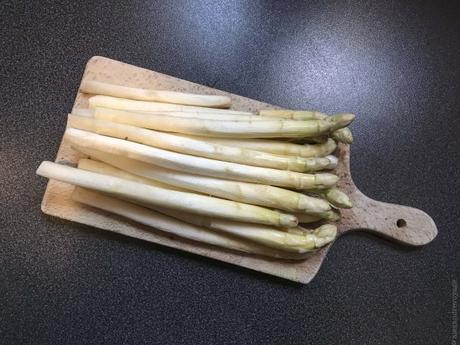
[
  {"x": 342, "y": 135},
  {"x": 100, "y": 88},
  {"x": 185, "y": 114},
  {"x": 107, "y": 169},
  {"x": 152, "y": 195},
  {"x": 196, "y": 147},
  {"x": 293, "y": 114},
  {"x": 234, "y": 129},
  {"x": 144, "y": 106},
  {"x": 170, "y": 225},
  {"x": 275, "y": 147},
  {"x": 297, "y": 241},
  {"x": 250, "y": 193},
  {"x": 199, "y": 165}
]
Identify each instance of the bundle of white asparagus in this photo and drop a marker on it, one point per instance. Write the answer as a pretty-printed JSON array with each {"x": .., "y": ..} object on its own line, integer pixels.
[{"x": 186, "y": 165}]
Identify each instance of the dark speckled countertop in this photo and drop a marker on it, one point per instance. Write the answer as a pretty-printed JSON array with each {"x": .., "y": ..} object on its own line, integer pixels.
[{"x": 393, "y": 63}]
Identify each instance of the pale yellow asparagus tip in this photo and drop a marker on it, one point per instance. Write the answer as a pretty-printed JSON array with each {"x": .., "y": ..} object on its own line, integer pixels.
[
  {"x": 315, "y": 164},
  {"x": 341, "y": 120},
  {"x": 325, "y": 180},
  {"x": 311, "y": 217},
  {"x": 337, "y": 198},
  {"x": 311, "y": 203},
  {"x": 343, "y": 135},
  {"x": 288, "y": 220},
  {"x": 324, "y": 234},
  {"x": 332, "y": 216}
]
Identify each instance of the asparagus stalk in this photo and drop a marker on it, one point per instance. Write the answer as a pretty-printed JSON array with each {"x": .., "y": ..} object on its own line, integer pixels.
[
  {"x": 152, "y": 195},
  {"x": 293, "y": 114},
  {"x": 233, "y": 129},
  {"x": 197, "y": 147},
  {"x": 144, "y": 106},
  {"x": 275, "y": 147},
  {"x": 199, "y": 165},
  {"x": 297, "y": 242},
  {"x": 186, "y": 114},
  {"x": 96, "y": 87},
  {"x": 106, "y": 169},
  {"x": 342, "y": 135},
  {"x": 171, "y": 225},
  {"x": 250, "y": 193}
]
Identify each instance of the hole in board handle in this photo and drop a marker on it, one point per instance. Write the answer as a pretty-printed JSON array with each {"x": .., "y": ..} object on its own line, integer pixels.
[{"x": 401, "y": 223}]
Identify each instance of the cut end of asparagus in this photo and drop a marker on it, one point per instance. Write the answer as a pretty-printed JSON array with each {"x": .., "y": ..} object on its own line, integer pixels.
[
  {"x": 288, "y": 220},
  {"x": 325, "y": 234}
]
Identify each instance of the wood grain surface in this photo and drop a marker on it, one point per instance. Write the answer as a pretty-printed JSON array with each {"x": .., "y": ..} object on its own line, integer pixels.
[{"x": 400, "y": 223}]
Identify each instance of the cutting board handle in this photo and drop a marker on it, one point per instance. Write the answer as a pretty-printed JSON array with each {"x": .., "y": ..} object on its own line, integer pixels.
[{"x": 401, "y": 223}]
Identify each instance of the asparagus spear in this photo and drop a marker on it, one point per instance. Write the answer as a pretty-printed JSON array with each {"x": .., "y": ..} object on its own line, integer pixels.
[
  {"x": 303, "y": 241},
  {"x": 152, "y": 195},
  {"x": 297, "y": 242},
  {"x": 171, "y": 225},
  {"x": 187, "y": 114},
  {"x": 233, "y": 129},
  {"x": 199, "y": 165},
  {"x": 96, "y": 87},
  {"x": 128, "y": 104},
  {"x": 293, "y": 114},
  {"x": 275, "y": 147},
  {"x": 197, "y": 147},
  {"x": 342, "y": 135},
  {"x": 250, "y": 193},
  {"x": 106, "y": 169}
]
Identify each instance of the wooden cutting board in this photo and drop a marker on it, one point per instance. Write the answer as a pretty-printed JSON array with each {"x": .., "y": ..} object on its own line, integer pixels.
[{"x": 404, "y": 224}]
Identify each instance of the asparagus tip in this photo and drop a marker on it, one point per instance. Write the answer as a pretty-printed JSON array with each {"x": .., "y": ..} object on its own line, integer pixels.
[
  {"x": 341, "y": 120},
  {"x": 325, "y": 234},
  {"x": 318, "y": 204},
  {"x": 325, "y": 180},
  {"x": 288, "y": 220},
  {"x": 343, "y": 135}
]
